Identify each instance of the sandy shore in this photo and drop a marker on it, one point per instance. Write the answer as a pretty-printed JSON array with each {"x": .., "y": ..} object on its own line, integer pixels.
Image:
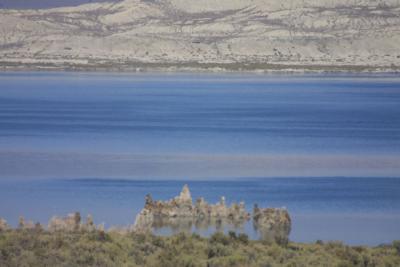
[{"x": 196, "y": 67}]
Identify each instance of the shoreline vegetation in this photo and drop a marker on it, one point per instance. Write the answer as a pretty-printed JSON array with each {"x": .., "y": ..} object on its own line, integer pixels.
[
  {"x": 181, "y": 214},
  {"x": 38, "y": 247},
  {"x": 70, "y": 242}
]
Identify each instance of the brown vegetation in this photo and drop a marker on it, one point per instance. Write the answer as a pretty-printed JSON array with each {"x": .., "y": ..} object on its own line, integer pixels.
[{"x": 37, "y": 247}]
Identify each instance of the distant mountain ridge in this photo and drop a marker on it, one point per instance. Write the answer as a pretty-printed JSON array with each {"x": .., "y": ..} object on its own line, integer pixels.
[
  {"x": 35, "y": 4},
  {"x": 205, "y": 34}
]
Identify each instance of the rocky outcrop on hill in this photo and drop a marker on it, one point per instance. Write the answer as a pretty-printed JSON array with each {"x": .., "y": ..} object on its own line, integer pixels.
[{"x": 260, "y": 35}]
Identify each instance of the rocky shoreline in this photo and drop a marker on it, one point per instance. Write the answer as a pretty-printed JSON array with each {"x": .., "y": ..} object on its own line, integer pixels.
[
  {"x": 68, "y": 241},
  {"x": 274, "y": 224},
  {"x": 180, "y": 214}
]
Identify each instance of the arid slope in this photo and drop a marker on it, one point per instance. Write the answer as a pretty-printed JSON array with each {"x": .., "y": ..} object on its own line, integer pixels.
[{"x": 191, "y": 34}]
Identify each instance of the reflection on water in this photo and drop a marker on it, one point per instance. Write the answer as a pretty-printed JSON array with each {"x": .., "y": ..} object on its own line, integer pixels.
[
  {"x": 179, "y": 214},
  {"x": 354, "y": 210},
  {"x": 197, "y": 225},
  {"x": 208, "y": 226},
  {"x": 204, "y": 226}
]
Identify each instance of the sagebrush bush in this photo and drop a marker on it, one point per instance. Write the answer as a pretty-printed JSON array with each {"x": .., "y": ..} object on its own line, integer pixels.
[
  {"x": 396, "y": 245},
  {"x": 99, "y": 248}
]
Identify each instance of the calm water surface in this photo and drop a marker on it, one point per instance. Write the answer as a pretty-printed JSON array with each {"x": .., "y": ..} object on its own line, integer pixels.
[
  {"x": 56, "y": 128},
  {"x": 354, "y": 210}
]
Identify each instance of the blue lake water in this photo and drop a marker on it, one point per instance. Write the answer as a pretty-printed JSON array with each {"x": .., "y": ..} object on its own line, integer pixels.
[
  {"x": 241, "y": 133},
  {"x": 353, "y": 210}
]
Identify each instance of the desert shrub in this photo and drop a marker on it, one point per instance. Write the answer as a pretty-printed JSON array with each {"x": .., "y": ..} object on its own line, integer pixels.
[
  {"x": 229, "y": 261},
  {"x": 220, "y": 238},
  {"x": 344, "y": 264},
  {"x": 396, "y": 245},
  {"x": 243, "y": 238},
  {"x": 41, "y": 248},
  {"x": 232, "y": 234},
  {"x": 139, "y": 238},
  {"x": 196, "y": 236},
  {"x": 217, "y": 250},
  {"x": 282, "y": 240},
  {"x": 158, "y": 242},
  {"x": 181, "y": 237},
  {"x": 97, "y": 236},
  {"x": 274, "y": 251},
  {"x": 189, "y": 261}
]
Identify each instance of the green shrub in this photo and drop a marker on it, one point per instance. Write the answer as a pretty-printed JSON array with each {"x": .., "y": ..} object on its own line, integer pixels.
[
  {"x": 396, "y": 245},
  {"x": 196, "y": 236},
  {"x": 219, "y": 237},
  {"x": 158, "y": 242},
  {"x": 217, "y": 250},
  {"x": 41, "y": 248},
  {"x": 232, "y": 234},
  {"x": 243, "y": 238}
]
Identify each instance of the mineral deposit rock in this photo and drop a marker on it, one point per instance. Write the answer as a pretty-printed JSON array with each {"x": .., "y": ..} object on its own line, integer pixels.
[
  {"x": 180, "y": 212},
  {"x": 101, "y": 227},
  {"x": 201, "y": 209},
  {"x": 89, "y": 226},
  {"x": 70, "y": 223},
  {"x": 144, "y": 221},
  {"x": 220, "y": 209},
  {"x": 180, "y": 206},
  {"x": 3, "y": 225},
  {"x": 274, "y": 224},
  {"x": 236, "y": 212},
  {"x": 25, "y": 225},
  {"x": 185, "y": 196}
]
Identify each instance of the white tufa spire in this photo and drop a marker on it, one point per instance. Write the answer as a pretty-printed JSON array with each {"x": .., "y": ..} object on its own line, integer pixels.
[{"x": 185, "y": 194}]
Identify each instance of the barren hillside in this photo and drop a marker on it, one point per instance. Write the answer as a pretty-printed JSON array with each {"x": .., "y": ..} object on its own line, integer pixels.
[{"x": 214, "y": 34}]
